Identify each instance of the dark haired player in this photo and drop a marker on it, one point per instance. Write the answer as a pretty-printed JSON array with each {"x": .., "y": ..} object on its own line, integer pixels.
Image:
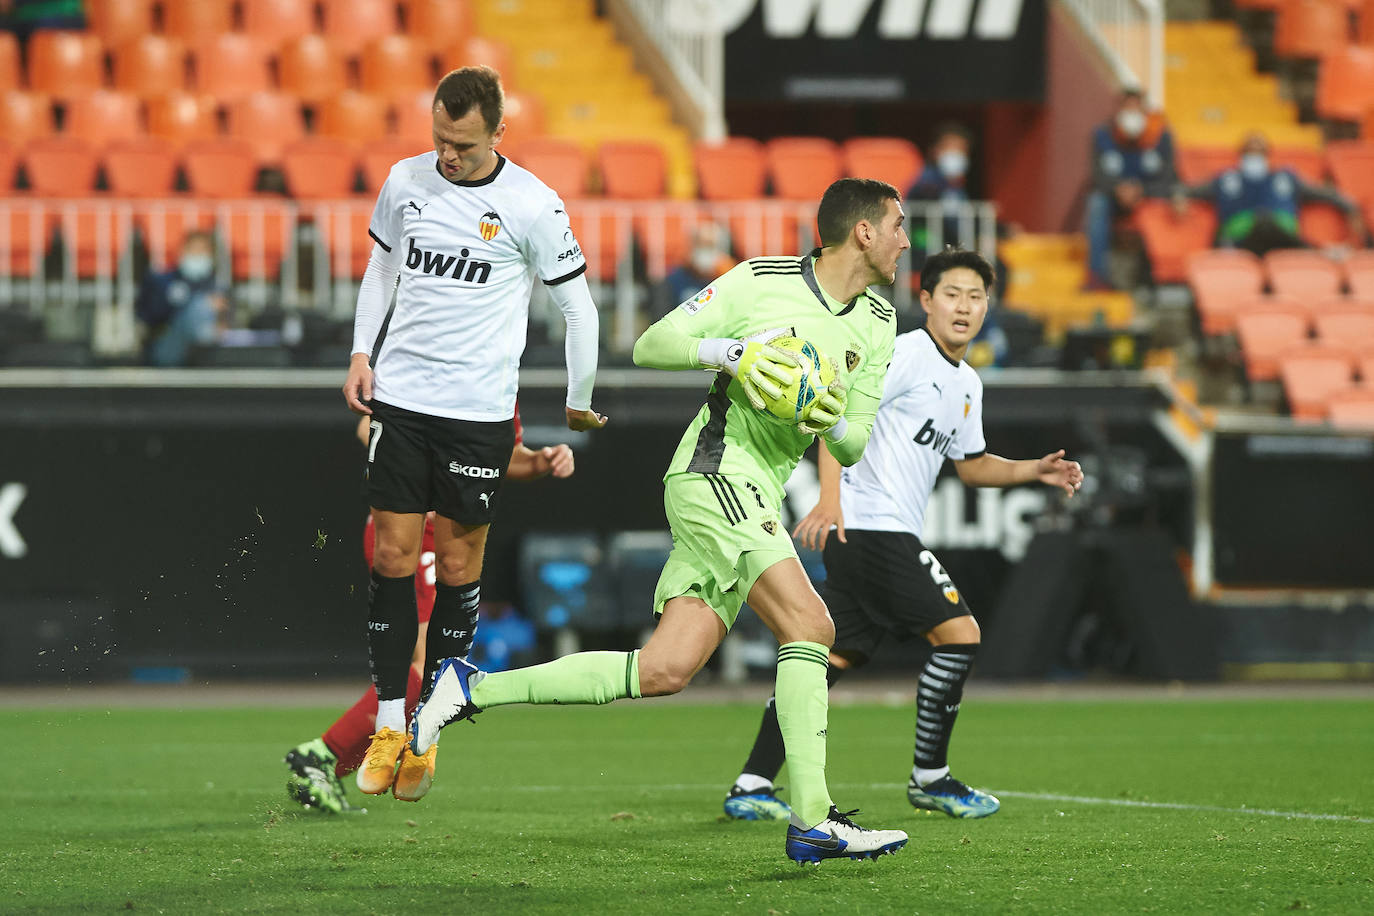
[{"x": 881, "y": 582}]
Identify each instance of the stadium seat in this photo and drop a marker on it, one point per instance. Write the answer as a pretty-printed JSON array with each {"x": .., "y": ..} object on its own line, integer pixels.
[
  {"x": 394, "y": 66},
  {"x": 350, "y": 24},
  {"x": 150, "y": 65},
  {"x": 351, "y": 117},
  {"x": 194, "y": 21},
  {"x": 1219, "y": 279},
  {"x": 1310, "y": 375},
  {"x": 1351, "y": 408},
  {"x": 142, "y": 167},
  {"x": 379, "y": 156},
  {"x": 344, "y": 225},
  {"x": 663, "y": 233},
  {"x": 275, "y": 22},
  {"x": 1310, "y": 29},
  {"x": 10, "y": 77},
  {"x": 9, "y": 164},
  {"x": 179, "y": 117},
  {"x": 1364, "y": 364},
  {"x": 117, "y": 21},
  {"x": 632, "y": 170},
  {"x": 413, "y": 117},
  {"x": 25, "y": 116},
  {"x": 801, "y": 168},
  {"x": 1264, "y": 336},
  {"x": 26, "y": 240},
  {"x": 103, "y": 116},
  {"x": 437, "y": 24},
  {"x": 65, "y": 64},
  {"x": 1364, "y": 33},
  {"x": 230, "y": 66},
  {"x": 733, "y": 169},
  {"x": 1323, "y": 225},
  {"x": 1302, "y": 274},
  {"x": 560, "y": 164},
  {"x": 1310, "y": 164},
  {"x": 318, "y": 169},
  {"x": 1345, "y": 84},
  {"x": 310, "y": 68},
  {"x": 1359, "y": 274},
  {"x": 1346, "y": 327},
  {"x": 771, "y": 229},
  {"x": 479, "y": 50},
  {"x": 60, "y": 167},
  {"x": 892, "y": 159},
  {"x": 1197, "y": 165},
  {"x": 606, "y": 236},
  {"x": 524, "y": 116},
  {"x": 268, "y": 121},
  {"x": 1170, "y": 239},
  {"x": 221, "y": 168},
  {"x": 256, "y": 232},
  {"x": 1352, "y": 165}
]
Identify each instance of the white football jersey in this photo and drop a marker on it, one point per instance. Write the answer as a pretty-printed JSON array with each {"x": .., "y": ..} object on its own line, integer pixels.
[
  {"x": 468, "y": 253},
  {"x": 932, "y": 409}
]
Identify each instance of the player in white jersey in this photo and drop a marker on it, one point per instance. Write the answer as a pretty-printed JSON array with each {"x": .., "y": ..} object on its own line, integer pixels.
[
  {"x": 881, "y": 582},
  {"x": 460, "y": 235}
]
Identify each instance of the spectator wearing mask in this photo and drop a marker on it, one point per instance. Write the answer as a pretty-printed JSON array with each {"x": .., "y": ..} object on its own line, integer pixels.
[
  {"x": 707, "y": 258},
  {"x": 1257, "y": 204},
  {"x": 943, "y": 179},
  {"x": 182, "y": 307},
  {"x": 1132, "y": 159}
]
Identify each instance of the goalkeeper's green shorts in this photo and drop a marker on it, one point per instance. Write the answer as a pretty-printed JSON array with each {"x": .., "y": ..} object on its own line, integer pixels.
[{"x": 725, "y": 534}]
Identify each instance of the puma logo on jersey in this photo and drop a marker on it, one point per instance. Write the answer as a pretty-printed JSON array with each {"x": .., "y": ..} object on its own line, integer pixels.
[
  {"x": 447, "y": 265},
  {"x": 485, "y": 498},
  {"x": 419, "y": 208},
  {"x": 929, "y": 435}
]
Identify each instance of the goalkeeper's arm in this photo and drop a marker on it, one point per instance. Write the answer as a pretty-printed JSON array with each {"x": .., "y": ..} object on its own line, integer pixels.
[
  {"x": 847, "y": 439},
  {"x": 668, "y": 345}
]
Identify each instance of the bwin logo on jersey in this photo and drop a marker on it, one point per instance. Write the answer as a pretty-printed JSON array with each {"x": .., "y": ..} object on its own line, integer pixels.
[
  {"x": 446, "y": 265},
  {"x": 489, "y": 224},
  {"x": 472, "y": 470},
  {"x": 929, "y": 435}
]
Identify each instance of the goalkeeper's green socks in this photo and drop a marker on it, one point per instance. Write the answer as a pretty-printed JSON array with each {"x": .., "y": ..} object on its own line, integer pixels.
[
  {"x": 584, "y": 677},
  {"x": 803, "y": 706}
]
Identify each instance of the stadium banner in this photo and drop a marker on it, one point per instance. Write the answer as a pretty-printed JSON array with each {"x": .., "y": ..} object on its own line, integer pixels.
[
  {"x": 218, "y": 529},
  {"x": 945, "y": 51}
]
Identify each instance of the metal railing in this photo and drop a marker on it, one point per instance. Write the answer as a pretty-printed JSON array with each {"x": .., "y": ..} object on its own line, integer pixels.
[
  {"x": 1130, "y": 35},
  {"x": 690, "y": 36}
]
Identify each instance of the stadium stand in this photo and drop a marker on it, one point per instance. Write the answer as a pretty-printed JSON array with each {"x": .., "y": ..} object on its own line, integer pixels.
[
  {"x": 150, "y": 65},
  {"x": 1265, "y": 336},
  {"x": 350, "y": 24},
  {"x": 1352, "y": 408},
  {"x": 895, "y": 160},
  {"x": 25, "y": 117},
  {"x": 731, "y": 170},
  {"x": 1345, "y": 84},
  {"x": 1298, "y": 273},
  {"x": 117, "y": 21},
  {"x": 268, "y": 121},
  {"x": 394, "y": 66},
  {"x": 222, "y": 168},
  {"x": 103, "y": 116},
  {"x": 801, "y": 168},
  {"x": 351, "y": 117},
  {"x": 378, "y": 156},
  {"x": 140, "y": 167},
  {"x": 64, "y": 64},
  {"x": 230, "y": 66},
  {"x": 561, "y": 164},
  {"x": 318, "y": 169},
  {"x": 311, "y": 68},
  {"x": 11, "y": 76},
  {"x": 632, "y": 170},
  {"x": 277, "y": 22},
  {"x": 195, "y": 21},
  {"x": 179, "y": 117}
]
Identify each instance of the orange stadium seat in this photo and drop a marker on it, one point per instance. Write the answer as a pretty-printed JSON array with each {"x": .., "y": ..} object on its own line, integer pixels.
[
  {"x": 1310, "y": 375},
  {"x": 1302, "y": 274},
  {"x": 604, "y": 235},
  {"x": 413, "y": 117},
  {"x": 117, "y": 21},
  {"x": 9, "y": 164},
  {"x": 662, "y": 232},
  {"x": 345, "y": 225},
  {"x": 1264, "y": 336},
  {"x": 268, "y": 121},
  {"x": 27, "y": 239},
  {"x": 1364, "y": 34},
  {"x": 1352, "y": 165},
  {"x": 142, "y": 167},
  {"x": 632, "y": 170},
  {"x": 221, "y": 168},
  {"x": 769, "y": 230},
  {"x": 1359, "y": 274},
  {"x": 560, "y": 164},
  {"x": 103, "y": 116},
  {"x": 1364, "y": 362},
  {"x": 1347, "y": 327},
  {"x": 1310, "y": 29},
  {"x": 150, "y": 65},
  {"x": 25, "y": 116},
  {"x": 524, "y": 117},
  {"x": 275, "y": 22},
  {"x": 230, "y": 66},
  {"x": 1352, "y": 408},
  {"x": 350, "y": 24},
  {"x": 10, "y": 77},
  {"x": 65, "y": 64},
  {"x": 194, "y": 21},
  {"x": 179, "y": 117},
  {"x": 256, "y": 231},
  {"x": 437, "y": 24},
  {"x": 478, "y": 50},
  {"x": 733, "y": 169},
  {"x": 351, "y": 117},
  {"x": 379, "y": 156},
  {"x": 311, "y": 68},
  {"x": 892, "y": 159},
  {"x": 394, "y": 66},
  {"x": 1310, "y": 164},
  {"x": 1323, "y": 225},
  {"x": 318, "y": 169},
  {"x": 1345, "y": 84},
  {"x": 1197, "y": 165},
  {"x": 1170, "y": 239},
  {"x": 1221, "y": 278},
  {"x": 802, "y": 167},
  {"x": 60, "y": 167}
]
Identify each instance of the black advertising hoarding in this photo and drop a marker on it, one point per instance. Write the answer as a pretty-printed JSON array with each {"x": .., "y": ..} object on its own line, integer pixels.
[{"x": 942, "y": 51}]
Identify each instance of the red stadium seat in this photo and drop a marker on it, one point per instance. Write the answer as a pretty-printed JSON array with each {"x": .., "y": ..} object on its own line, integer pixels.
[
  {"x": 231, "y": 65},
  {"x": 275, "y": 22},
  {"x": 150, "y": 65},
  {"x": 437, "y": 24},
  {"x": 1298, "y": 273},
  {"x": 268, "y": 121},
  {"x": 180, "y": 117},
  {"x": 10, "y": 78},
  {"x": 24, "y": 117},
  {"x": 1311, "y": 374},
  {"x": 1220, "y": 279},
  {"x": 311, "y": 68},
  {"x": 116, "y": 21},
  {"x": 318, "y": 169},
  {"x": 103, "y": 116},
  {"x": 892, "y": 159},
  {"x": 220, "y": 169},
  {"x": 195, "y": 21},
  {"x": 561, "y": 164},
  {"x": 731, "y": 170},
  {"x": 1170, "y": 239},
  {"x": 802, "y": 167},
  {"x": 353, "y": 118},
  {"x": 632, "y": 170},
  {"x": 1264, "y": 336},
  {"x": 350, "y": 24},
  {"x": 380, "y": 155},
  {"x": 65, "y": 64},
  {"x": 143, "y": 167},
  {"x": 60, "y": 167},
  {"x": 394, "y": 66}
]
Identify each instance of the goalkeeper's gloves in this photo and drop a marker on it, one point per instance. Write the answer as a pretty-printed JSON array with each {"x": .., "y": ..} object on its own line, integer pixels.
[
  {"x": 761, "y": 370},
  {"x": 824, "y": 416}
]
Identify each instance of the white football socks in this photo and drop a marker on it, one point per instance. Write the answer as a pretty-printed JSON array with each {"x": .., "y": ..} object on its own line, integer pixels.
[
  {"x": 391, "y": 714},
  {"x": 923, "y": 777},
  {"x": 749, "y": 783}
]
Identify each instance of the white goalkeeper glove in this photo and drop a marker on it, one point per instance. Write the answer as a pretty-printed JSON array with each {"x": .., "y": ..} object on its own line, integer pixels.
[
  {"x": 760, "y": 369},
  {"x": 825, "y": 415}
]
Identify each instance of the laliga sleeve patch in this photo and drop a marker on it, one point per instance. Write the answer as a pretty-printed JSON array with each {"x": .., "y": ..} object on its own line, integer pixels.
[{"x": 699, "y": 301}]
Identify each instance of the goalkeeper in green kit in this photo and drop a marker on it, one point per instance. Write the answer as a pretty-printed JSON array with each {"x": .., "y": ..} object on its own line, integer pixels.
[{"x": 723, "y": 491}]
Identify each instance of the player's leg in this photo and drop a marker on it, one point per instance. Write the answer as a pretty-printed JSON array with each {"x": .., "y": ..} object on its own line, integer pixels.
[
  {"x": 459, "y": 551},
  {"x": 781, "y": 594}
]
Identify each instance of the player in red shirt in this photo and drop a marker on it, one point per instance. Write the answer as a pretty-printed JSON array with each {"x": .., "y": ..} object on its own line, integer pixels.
[{"x": 318, "y": 765}]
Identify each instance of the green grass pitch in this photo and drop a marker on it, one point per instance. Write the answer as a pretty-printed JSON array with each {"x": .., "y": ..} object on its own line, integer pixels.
[{"x": 1111, "y": 807}]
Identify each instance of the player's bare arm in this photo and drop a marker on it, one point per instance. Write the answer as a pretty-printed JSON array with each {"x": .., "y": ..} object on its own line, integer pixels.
[
  {"x": 531, "y": 464},
  {"x": 813, "y": 530},
  {"x": 581, "y": 420},
  {"x": 357, "y": 386},
  {"x": 990, "y": 470}
]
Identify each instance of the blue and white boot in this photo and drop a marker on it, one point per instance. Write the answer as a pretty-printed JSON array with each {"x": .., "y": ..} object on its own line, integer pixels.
[
  {"x": 837, "y": 837},
  {"x": 450, "y": 700},
  {"x": 759, "y": 805},
  {"x": 951, "y": 796}
]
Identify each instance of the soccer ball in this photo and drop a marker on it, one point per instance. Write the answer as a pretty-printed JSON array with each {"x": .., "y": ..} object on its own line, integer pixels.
[{"x": 813, "y": 376}]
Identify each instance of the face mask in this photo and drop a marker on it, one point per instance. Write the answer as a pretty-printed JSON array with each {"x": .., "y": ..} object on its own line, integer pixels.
[
  {"x": 1131, "y": 122},
  {"x": 952, "y": 164},
  {"x": 704, "y": 260},
  {"x": 196, "y": 267},
  {"x": 1254, "y": 165}
]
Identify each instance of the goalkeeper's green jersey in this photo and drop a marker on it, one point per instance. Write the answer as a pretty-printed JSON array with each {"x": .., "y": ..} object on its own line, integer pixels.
[{"x": 728, "y": 436}]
